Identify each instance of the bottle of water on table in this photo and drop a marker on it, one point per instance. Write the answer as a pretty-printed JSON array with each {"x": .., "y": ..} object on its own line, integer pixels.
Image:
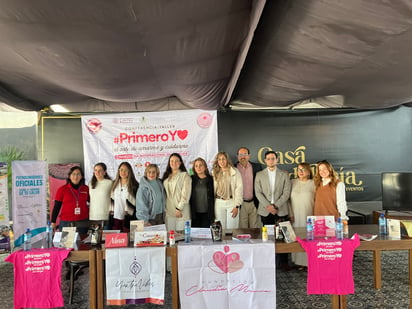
[
  {"x": 49, "y": 235},
  {"x": 382, "y": 225},
  {"x": 27, "y": 240},
  {"x": 339, "y": 229},
  {"x": 309, "y": 230},
  {"x": 187, "y": 231}
]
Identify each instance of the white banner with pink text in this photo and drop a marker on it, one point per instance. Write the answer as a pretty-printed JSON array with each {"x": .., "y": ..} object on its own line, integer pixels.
[
  {"x": 135, "y": 275},
  {"x": 145, "y": 138},
  {"x": 227, "y": 275}
]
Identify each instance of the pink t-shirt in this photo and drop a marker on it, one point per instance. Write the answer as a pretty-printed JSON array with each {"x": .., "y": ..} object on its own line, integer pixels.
[
  {"x": 37, "y": 277},
  {"x": 330, "y": 265}
]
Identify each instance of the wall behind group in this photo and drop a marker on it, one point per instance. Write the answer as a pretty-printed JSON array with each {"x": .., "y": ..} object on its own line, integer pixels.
[{"x": 360, "y": 145}]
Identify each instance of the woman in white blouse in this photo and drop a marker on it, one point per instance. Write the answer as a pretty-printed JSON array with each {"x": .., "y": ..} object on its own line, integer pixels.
[
  {"x": 123, "y": 194},
  {"x": 99, "y": 190},
  {"x": 228, "y": 191},
  {"x": 178, "y": 186}
]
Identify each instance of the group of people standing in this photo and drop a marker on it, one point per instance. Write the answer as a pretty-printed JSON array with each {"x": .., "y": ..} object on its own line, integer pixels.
[{"x": 240, "y": 195}]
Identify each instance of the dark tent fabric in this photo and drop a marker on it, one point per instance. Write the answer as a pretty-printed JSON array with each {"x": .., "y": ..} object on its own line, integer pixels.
[{"x": 113, "y": 56}]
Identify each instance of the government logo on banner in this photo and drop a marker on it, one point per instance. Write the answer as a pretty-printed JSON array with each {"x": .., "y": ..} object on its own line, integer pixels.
[{"x": 145, "y": 138}]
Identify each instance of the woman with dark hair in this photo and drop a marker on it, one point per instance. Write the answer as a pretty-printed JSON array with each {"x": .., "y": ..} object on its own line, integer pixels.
[
  {"x": 302, "y": 200},
  {"x": 99, "y": 191},
  {"x": 202, "y": 199},
  {"x": 178, "y": 185},
  {"x": 71, "y": 200},
  {"x": 123, "y": 195},
  {"x": 330, "y": 197}
]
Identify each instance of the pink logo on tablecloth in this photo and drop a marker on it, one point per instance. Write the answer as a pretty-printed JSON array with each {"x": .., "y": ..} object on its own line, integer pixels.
[
  {"x": 227, "y": 262},
  {"x": 204, "y": 120}
]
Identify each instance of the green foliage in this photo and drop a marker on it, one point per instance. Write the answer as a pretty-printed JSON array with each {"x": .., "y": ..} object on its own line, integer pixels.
[{"x": 8, "y": 154}]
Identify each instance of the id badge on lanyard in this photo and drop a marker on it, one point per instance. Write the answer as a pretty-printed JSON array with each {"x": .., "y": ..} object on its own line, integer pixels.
[{"x": 76, "y": 197}]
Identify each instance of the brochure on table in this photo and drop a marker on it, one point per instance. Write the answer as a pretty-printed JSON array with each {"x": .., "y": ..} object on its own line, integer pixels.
[
  {"x": 394, "y": 228},
  {"x": 154, "y": 235},
  {"x": 323, "y": 226},
  {"x": 116, "y": 240},
  {"x": 136, "y": 226},
  {"x": 201, "y": 232},
  {"x": 67, "y": 238},
  {"x": 407, "y": 224},
  {"x": 287, "y": 231}
]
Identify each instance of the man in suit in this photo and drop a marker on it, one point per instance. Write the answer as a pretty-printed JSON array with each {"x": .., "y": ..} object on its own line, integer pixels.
[
  {"x": 248, "y": 217},
  {"x": 272, "y": 188}
]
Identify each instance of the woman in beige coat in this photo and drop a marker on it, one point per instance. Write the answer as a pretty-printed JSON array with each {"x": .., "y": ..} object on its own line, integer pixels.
[
  {"x": 228, "y": 188},
  {"x": 178, "y": 186}
]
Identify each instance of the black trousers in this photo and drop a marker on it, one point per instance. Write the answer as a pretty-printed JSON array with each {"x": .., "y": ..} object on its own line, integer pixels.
[{"x": 201, "y": 219}]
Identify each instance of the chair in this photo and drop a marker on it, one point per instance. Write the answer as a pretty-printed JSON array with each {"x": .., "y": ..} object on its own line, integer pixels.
[{"x": 74, "y": 268}]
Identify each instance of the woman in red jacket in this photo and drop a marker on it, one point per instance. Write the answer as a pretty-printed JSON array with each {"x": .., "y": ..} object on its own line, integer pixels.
[{"x": 71, "y": 202}]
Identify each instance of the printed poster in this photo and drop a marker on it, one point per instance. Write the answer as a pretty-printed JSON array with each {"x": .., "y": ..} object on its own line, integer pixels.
[
  {"x": 135, "y": 275},
  {"x": 227, "y": 276},
  {"x": 145, "y": 138},
  {"x": 29, "y": 196}
]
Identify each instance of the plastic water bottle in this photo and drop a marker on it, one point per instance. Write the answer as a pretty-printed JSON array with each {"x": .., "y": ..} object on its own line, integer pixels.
[
  {"x": 49, "y": 235},
  {"x": 309, "y": 230},
  {"x": 11, "y": 240},
  {"x": 172, "y": 240},
  {"x": 187, "y": 231},
  {"x": 27, "y": 240},
  {"x": 345, "y": 228},
  {"x": 382, "y": 225},
  {"x": 339, "y": 229}
]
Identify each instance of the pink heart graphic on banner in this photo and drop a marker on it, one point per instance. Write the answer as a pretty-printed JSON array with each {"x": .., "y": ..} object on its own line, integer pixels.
[
  {"x": 182, "y": 134},
  {"x": 228, "y": 263}
]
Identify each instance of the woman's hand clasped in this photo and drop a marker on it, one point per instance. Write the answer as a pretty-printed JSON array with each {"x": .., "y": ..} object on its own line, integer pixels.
[
  {"x": 179, "y": 213},
  {"x": 234, "y": 212}
]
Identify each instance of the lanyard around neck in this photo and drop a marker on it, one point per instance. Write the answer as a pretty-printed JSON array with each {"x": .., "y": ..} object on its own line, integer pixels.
[{"x": 76, "y": 197}]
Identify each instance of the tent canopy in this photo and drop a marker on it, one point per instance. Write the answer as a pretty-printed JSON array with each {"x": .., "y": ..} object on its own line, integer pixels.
[{"x": 112, "y": 56}]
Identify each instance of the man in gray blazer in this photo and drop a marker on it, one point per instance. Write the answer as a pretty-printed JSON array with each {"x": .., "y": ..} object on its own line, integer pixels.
[{"x": 272, "y": 189}]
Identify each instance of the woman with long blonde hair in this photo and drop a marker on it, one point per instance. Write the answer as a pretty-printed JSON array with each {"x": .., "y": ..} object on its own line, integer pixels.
[
  {"x": 228, "y": 189},
  {"x": 330, "y": 196}
]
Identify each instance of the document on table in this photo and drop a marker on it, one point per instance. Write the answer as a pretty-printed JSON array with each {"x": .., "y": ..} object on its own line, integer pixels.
[
  {"x": 159, "y": 227},
  {"x": 271, "y": 229},
  {"x": 201, "y": 232}
]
